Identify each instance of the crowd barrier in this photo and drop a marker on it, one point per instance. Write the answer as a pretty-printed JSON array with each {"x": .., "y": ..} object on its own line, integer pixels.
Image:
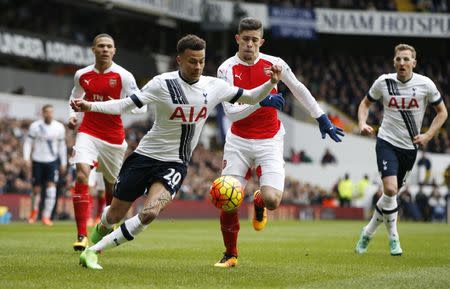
[{"x": 19, "y": 207}]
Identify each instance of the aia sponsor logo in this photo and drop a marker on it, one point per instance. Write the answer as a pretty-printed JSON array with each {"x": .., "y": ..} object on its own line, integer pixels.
[
  {"x": 403, "y": 103},
  {"x": 189, "y": 114}
]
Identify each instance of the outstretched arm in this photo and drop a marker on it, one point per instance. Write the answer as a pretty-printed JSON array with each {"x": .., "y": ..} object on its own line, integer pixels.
[
  {"x": 116, "y": 106},
  {"x": 255, "y": 95}
]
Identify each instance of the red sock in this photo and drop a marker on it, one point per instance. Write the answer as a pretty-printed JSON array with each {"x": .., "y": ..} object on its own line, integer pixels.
[
  {"x": 258, "y": 200},
  {"x": 101, "y": 201},
  {"x": 81, "y": 207},
  {"x": 229, "y": 223}
]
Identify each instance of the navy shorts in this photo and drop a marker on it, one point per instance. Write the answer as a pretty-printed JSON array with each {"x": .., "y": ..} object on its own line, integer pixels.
[
  {"x": 139, "y": 172},
  {"x": 42, "y": 173},
  {"x": 394, "y": 161}
]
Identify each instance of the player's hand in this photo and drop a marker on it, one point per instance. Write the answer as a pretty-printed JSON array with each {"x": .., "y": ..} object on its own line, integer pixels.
[
  {"x": 275, "y": 100},
  {"x": 326, "y": 127},
  {"x": 275, "y": 73},
  {"x": 80, "y": 105},
  {"x": 422, "y": 139},
  {"x": 366, "y": 129},
  {"x": 72, "y": 122}
]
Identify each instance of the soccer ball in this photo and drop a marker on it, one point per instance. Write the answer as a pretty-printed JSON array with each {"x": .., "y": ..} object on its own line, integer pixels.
[{"x": 226, "y": 193}]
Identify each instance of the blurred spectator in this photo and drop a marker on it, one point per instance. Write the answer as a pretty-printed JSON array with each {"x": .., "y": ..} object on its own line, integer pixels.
[
  {"x": 294, "y": 157},
  {"x": 328, "y": 158},
  {"x": 362, "y": 186},
  {"x": 345, "y": 190},
  {"x": 437, "y": 205},
  {"x": 305, "y": 158},
  {"x": 424, "y": 168},
  {"x": 422, "y": 203},
  {"x": 407, "y": 207}
]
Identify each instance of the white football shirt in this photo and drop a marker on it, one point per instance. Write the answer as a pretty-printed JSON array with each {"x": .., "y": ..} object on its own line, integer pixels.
[
  {"x": 404, "y": 106},
  {"x": 46, "y": 142},
  {"x": 181, "y": 110}
]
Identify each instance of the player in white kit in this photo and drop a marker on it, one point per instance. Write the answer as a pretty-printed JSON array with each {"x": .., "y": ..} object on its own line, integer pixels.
[
  {"x": 183, "y": 100},
  {"x": 45, "y": 145},
  {"x": 405, "y": 96}
]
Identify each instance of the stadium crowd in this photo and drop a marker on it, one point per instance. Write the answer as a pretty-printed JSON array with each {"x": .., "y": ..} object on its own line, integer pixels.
[{"x": 205, "y": 166}]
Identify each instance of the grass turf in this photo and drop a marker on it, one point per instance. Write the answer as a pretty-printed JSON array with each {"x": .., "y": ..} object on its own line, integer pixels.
[{"x": 180, "y": 254}]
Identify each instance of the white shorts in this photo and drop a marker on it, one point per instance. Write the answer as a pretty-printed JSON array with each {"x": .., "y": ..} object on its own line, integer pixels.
[
  {"x": 266, "y": 155},
  {"x": 89, "y": 149},
  {"x": 96, "y": 181}
]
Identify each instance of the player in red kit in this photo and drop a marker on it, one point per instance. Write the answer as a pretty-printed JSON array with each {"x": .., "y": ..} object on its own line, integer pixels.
[
  {"x": 101, "y": 137},
  {"x": 255, "y": 139}
]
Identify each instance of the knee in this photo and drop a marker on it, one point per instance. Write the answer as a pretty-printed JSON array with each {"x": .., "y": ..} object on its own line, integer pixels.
[
  {"x": 114, "y": 217},
  {"x": 148, "y": 214},
  {"x": 272, "y": 200},
  {"x": 390, "y": 190}
]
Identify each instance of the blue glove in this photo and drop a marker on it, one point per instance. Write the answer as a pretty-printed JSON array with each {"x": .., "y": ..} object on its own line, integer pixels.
[
  {"x": 326, "y": 127},
  {"x": 274, "y": 100}
]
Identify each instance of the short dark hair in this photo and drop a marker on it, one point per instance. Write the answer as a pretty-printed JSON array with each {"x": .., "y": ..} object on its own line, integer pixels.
[
  {"x": 100, "y": 36},
  {"x": 250, "y": 23},
  {"x": 192, "y": 42},
  {"x": 46, "y": 106}
]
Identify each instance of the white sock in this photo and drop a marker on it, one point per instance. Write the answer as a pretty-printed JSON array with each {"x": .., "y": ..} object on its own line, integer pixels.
[
  {"x": 376, "y": 220},
  {"x": 50, "y": 200},
  {"x": 390, "y": 213},
  {"x": 126, "y": 232},
  {"x": 103, "y": 220}
]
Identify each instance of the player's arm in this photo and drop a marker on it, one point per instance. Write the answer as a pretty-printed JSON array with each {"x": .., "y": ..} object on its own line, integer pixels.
[
  {"x": 436, "y": 124},
  {"x": 255, "y": 95},
  {"x": 147, "y": 95},
  {"x": 304, "y": 96},
  {"x": 131, "y": 88},
  {"x": 77, "y": 93},
  {"x": 239, "y": 111},
  {"x": 363, "y": 114}
]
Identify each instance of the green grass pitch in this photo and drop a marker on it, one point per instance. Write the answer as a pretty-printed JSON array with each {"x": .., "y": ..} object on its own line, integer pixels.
[{"x": 181, "y": 254}]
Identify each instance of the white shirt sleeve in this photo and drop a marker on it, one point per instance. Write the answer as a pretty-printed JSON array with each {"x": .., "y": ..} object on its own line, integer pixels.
[
  {"x": 235, "y": 111},
  {"x": 232, "y": 94},
  {"x": 299, "y": 90},
  {"x": 130, "y": 87},
  {"x": 148, "y": 94},
  {"x": 28, "y": 143},
  {"x": 375, "y": 91},
  {"x": 433, "y": 94},
  {"x": 77, "y": 93}
]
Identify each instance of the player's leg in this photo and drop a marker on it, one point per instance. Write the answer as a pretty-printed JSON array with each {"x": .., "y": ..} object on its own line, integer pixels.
[
  {"x": 111, "y": 215},
  {"x": 36, "y": 173},
  {"x": 101, "y": 199},
  {"x": 35, "y": 200},
  {"x": 110, "y": 161},
  {"x": 388, "y": 163},
  {"x": 406, "y": 159},
  {"x": 52, "y": 175},
  {"x": 81, "y": 205},
  {"x": 85, "y": 154},
  {"x": 270, "y": 168},
  {"x": 237, "y": 163}
]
